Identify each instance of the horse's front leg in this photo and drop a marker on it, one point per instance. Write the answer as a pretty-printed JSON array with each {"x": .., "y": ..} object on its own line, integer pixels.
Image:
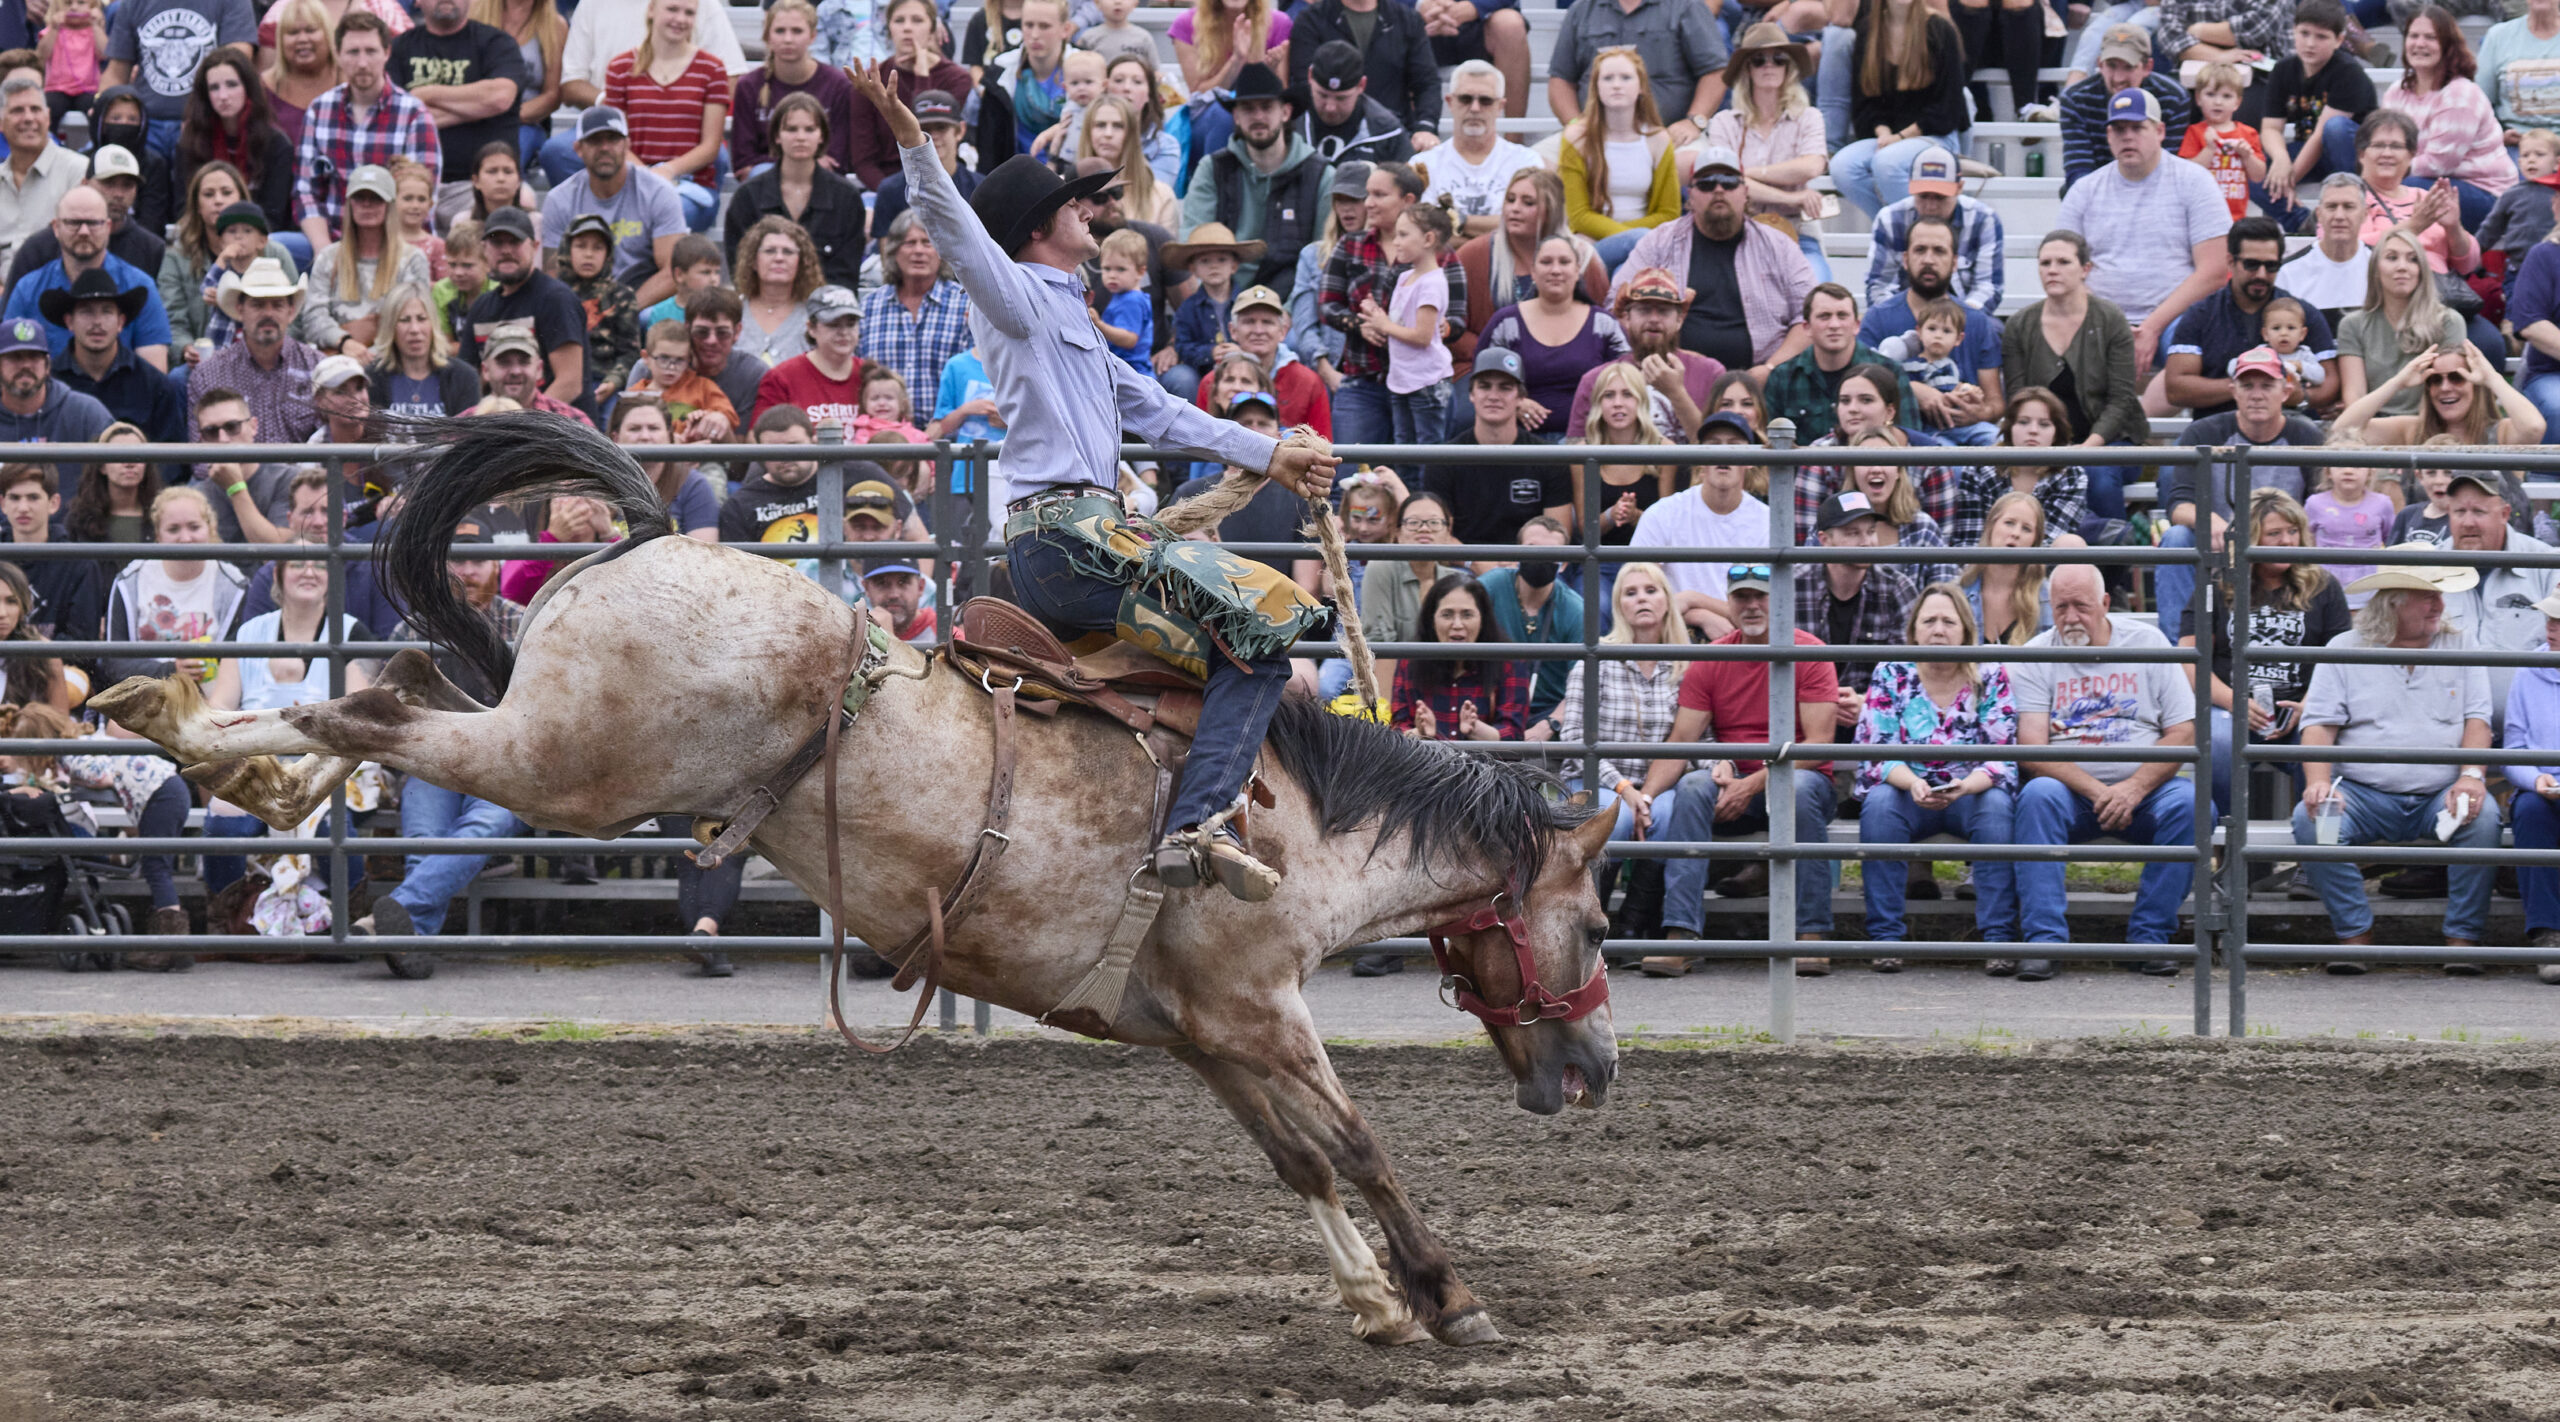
[{"x": 1378, "y": 1312}]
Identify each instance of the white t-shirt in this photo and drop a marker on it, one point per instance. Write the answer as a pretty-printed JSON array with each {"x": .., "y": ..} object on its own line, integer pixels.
[
  {"x": 2331, "y": 286},
  {"x": 1630, "y": 178},
  {"x": 2107, "y": 703},
  {"x": 166, "y": 610},
  {"x": 599, "y": 32},
  {"x": 1685, "y": 521},
  {"x": 2145, "y": 233},
  {"x": 1476, "y": 187}
]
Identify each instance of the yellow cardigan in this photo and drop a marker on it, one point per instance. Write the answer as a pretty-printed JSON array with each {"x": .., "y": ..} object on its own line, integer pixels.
[{"x": 1661, "y": 201}]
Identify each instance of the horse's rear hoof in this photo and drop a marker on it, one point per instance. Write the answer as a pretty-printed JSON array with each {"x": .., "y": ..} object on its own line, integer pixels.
[
  {"x": 1469, "y": 1329},
  {"x": 131, "y": 703},
  {"x": 1398, "y": 1334}
]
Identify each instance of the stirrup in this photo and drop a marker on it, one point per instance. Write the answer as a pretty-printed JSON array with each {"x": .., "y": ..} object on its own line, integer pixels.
[{"x": 1189, "y": 858}]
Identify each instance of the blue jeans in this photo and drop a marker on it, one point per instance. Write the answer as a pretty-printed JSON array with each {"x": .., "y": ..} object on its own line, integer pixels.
[
  {"x": 1833, "y": 79},
  {"x": 1234, "y": 712},
  {"x": 558, "y": 157},
  {"x": 1362, "y": 412},
  {"x": 1182, "y": 382},
  {"x": 2084, "y": 51},
  {"x": 221, "y": 871},
  {"x": 2221, "y": 732},
  {"x": 2106, "y": 488},
  {"x": 1809, "y": 241},
  {"x": 1872, "y": 178},
  {"x": 2544, "y": 392},
  {"x": 433, "y": 812},
  {"x": 2537, "y": 826},
  {"x": 161, "y": 136},
  {"x": 2173, "y": 585},
  {"x": 1692, "y": 820},
  {"x": 2050, "y": 812},
  {"x": 1613, "y": 249},
  {"x": 2381, "y": 817},
  {"x": 297, "y": 247},
  {"x": 1418, "y": 415},
  {"x": 1623, "y": 828},
  {"x": 701, "y": 204},
  {"x": 529, "y": 140},
  {"x": 1890, "y": 818},
  {"x": 2476, "y": 200},
  {"x": 164, "y": 816}
]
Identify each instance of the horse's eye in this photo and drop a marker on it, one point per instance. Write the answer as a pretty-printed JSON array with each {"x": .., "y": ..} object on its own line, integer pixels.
[{"x": 1596, "y": 934}]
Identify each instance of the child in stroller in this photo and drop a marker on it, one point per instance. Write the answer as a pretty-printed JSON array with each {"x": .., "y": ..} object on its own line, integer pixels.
[{"x": 155, "y": 801}]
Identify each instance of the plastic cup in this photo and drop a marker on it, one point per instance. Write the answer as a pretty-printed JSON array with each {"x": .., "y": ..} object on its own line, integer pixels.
[{"x": 2329, "y": 818}]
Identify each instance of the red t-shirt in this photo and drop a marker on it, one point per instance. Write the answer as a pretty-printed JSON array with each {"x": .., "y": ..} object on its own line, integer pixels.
[
  {"x": 1735, "y": 696},
  {"x": 666, "y": 119},
  {"x": 2228, "y": 169},
  {"x": 798, "y": 381},
  {"x": 1301, "y": 396}
]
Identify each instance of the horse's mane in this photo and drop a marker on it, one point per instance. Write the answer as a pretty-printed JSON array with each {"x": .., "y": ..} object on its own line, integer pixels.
[{"x": 1443, "y": 801}]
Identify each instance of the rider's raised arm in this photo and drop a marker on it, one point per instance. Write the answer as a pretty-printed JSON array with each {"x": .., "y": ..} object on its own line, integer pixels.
[
  {"x": 1169, "y": 422},
  {"x": 996, "y": 283}
]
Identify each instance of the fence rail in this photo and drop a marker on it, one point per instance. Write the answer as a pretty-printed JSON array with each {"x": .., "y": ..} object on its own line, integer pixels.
[{"x": 963, "y": 523}]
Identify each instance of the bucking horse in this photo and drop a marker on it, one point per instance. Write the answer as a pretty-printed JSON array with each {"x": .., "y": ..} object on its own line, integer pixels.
[{"x": 670, "y": 677}]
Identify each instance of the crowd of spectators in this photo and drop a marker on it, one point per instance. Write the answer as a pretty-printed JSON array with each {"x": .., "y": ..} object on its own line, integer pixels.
[{"x": 282, "y": 220}]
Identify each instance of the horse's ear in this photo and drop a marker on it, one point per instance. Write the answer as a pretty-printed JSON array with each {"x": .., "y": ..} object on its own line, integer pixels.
[{"x": 1592, "y": 835}]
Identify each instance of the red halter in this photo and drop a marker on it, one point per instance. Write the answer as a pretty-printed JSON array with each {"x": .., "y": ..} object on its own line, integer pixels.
[{"x": 1536, "y": 1004}]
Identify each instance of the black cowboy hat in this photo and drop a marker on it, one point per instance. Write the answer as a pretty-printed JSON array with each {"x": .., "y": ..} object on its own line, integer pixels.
[
  {"x": 1257, "y": 81},
  {"x": 1017, "y": 198},
  {"x": 91, "y": 285}
]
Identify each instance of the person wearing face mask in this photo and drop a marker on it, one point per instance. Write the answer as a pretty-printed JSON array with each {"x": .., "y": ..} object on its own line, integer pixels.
[{"x": 1529, "y": 605}]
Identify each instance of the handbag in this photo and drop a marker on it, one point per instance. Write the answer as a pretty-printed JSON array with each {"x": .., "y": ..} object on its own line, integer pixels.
[{"x": 2457, "y": 295}]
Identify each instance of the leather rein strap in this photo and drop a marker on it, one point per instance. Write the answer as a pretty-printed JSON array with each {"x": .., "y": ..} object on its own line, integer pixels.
[
  {"x": 1536, "y": 1003},
  {"x": 919, "y": 959}
]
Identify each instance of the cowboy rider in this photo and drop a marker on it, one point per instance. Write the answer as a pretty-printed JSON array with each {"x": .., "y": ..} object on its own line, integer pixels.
[{"x": 1079, "y": 562}]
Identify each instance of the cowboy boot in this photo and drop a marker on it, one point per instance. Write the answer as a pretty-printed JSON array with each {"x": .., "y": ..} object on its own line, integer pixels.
[{"x": 1188, "y": 858}]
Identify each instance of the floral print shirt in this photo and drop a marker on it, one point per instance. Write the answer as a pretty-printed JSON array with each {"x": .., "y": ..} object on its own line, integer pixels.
[{"x": 1899, "y": 712}]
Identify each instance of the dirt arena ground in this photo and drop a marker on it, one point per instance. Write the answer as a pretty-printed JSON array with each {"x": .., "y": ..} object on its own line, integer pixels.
[{"x": 762, "y": 1226}]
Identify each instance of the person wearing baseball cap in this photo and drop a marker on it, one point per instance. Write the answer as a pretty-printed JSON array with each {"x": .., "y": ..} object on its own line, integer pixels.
[
  {"x": 1489, "y": 502},
  {"x": 825, "y": 379},
  {"x": 1747, "y": 281},
  {"x": 939, "y": 113},
  {"x": 896, "y": 590},
  {"x": 2497, "y": 613},
  {"x": 630, "y": 196},
  {"x": 2408, "y": 708},
  {"x": 35, "y": 408},
  {"x": 2155, "y": 223},
  {"x": 1019, "y": 247},
  {"x": 2258, "y": 417},
  {"x": 1732, "y": 699},
  {"x": 1979, "y": 274},
  {"x": 2120, "y": 58},
  {"x": 1337, "y": 117},
  {"x": 1257, "y": 323},
  {"x": 330, "y": 319},
  {"x": 521, "y": 293}
]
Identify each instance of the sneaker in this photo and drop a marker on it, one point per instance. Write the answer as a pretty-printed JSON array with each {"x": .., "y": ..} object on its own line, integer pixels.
[
  {"x": 1377, "y": 965},
  {"x": 1922, "y": 885},
  {"x": 2035, "y": 970},
  {"x": 2000, "y": 967},
  {"x": 2040, "y": 113},
  {"x": 1813, "y": 967},
  {"x": 1884, "y": 965},
  {"x": 2549, "y": 973},
  {"x": 1182, "y": 861}
]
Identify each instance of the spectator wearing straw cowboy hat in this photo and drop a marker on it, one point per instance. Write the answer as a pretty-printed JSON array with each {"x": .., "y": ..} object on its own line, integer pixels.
[
  {"x": 269, "y": 369},
  {"x": 1212, "y": 256},
  {"x": 97, "y": 311},
  {"x": 2533, "y": 723},
  {"x": 2400, "y": 708}
]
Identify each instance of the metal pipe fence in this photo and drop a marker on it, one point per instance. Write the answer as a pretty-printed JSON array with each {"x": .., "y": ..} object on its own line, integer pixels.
[{"x": 964, "y": 551}]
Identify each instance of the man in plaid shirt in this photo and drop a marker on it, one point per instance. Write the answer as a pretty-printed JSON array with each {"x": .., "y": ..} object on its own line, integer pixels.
[
  {"x": 1855, "y": 604},
  {"x": 1359, "y": 271},
  {"x": 1937, "y": 191},
  {"x": 367, "y": 119}
]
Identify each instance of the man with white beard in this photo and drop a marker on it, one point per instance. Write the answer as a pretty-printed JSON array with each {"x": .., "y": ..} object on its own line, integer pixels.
[{"x": 2130, "y": 704}]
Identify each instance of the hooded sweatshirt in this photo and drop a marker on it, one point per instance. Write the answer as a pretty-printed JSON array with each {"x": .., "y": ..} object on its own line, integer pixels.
[
  {"x": 65, "y": 417},
  {"x": 1251, "y": 219}
]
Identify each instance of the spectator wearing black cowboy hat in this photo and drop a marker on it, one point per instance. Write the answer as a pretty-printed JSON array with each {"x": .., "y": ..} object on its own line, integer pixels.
[
  {"x": 1267, "y": 184},
  {"x": 1337, "y": 117},
  {"x": 96, "y": 311}
]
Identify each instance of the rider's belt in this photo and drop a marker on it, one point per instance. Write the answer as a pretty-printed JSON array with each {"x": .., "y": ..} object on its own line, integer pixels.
[{"x": 1056, "y": 492}]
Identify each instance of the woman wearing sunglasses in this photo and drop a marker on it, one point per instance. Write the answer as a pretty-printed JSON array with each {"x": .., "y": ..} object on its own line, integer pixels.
[{"x": 1775, "y": 127}]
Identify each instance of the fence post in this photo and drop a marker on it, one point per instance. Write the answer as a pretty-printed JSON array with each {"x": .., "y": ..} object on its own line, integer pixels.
[
  {"x": 2235, "y": 839},
  {"x": 1780, "y": 795},
  {"x": 830, "y": 515},
  {"x": 946, "y": 467},
  {"x": 333, "y": 615},
  {"x": 2213, "y": 590},
  {"x": 1593, "y": 491}
]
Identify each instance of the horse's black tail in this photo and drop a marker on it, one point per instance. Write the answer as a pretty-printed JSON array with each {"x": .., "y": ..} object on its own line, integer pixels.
[{"x": 457, "y": 465}]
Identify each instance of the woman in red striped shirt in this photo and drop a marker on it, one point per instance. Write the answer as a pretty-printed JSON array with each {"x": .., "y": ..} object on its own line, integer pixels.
[{"x": 675, "y": 97}]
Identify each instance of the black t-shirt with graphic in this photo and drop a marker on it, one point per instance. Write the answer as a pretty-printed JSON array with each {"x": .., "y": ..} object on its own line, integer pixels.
[
  {"x": 762, "y": 511},
  {"x": 1489, "y": 502},
  {"x": 475, "y": 52},
  {"x": 2341, "y": 84}
]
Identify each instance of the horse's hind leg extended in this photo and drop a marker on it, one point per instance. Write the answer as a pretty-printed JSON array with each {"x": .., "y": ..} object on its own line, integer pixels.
[{"x": 1378, "y": 1312}]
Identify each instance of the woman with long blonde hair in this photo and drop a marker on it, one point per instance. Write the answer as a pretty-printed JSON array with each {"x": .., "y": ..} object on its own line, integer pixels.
[
  {"x": 540, "y": 35},
  {"x": 1621, "y": 176},
  {"x": 1890, "y": 492},
  {"x": 1778, "y": 134},
  {"x": 1622, "y": 414},
  {"x": 2008, "y": 599},
  {"x": 1111, "y": 133},
  {"x": 304, "y": 64},
  {"x": 1214, "y": 40},
  {"x": 1637, "y": 700},
  {"x": 351, "y": 276}
]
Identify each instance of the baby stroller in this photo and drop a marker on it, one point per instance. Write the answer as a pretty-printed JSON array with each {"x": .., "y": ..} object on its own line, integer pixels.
[{"x": 53, "y": 894}]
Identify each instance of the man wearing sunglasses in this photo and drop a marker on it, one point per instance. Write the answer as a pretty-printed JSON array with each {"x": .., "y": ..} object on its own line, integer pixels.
[
  {"x": 2217, "y": 329},
  {"x": 1748, "y": 282}
]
